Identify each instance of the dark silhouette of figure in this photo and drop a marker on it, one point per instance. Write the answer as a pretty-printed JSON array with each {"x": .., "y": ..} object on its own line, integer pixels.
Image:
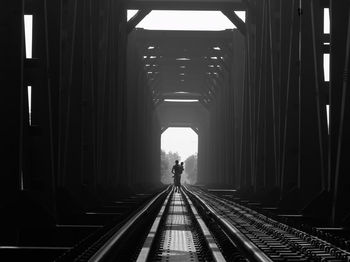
[
  {"x": 182, "y": 168},
  {"x": 177, "y": 170}
]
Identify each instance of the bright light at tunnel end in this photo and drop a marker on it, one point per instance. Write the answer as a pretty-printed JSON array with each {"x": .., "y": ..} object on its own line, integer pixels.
[{"x": 184, "y": 142}]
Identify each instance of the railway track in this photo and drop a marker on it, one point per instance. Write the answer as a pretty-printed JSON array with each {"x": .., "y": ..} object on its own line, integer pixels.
[
  {"x": 266, "y": 239},
  {"x": 179, "y": 234},
  {"x": 196, "y": 225}
]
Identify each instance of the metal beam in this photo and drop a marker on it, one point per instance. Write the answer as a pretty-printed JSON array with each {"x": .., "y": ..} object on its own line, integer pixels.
[
  {"x": 187, "y": 5},
  {"x": 137, "y": 18},
  {"x": 163, "y": 129},
  {"x": 231, "y": 15},
  {"x": 183, "y": 38},
  {"x": 174, "y": 51},
  {"x": 195, "y": 129}
]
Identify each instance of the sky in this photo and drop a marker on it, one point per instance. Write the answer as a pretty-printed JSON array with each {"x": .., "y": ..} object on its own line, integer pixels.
[
  {"x": 28, "y": 31},
  {"x": 186, "y": 20},
  {"x": 181, "y": 140}
]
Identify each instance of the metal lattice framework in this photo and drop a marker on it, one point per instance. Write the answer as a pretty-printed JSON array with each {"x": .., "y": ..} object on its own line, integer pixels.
[
  {"x": 184, "y": 65},
  {"x": 92, "y": 115}
]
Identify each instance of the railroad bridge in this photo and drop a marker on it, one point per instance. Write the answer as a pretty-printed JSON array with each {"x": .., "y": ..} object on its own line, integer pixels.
[{"x": 84, "y": 107}]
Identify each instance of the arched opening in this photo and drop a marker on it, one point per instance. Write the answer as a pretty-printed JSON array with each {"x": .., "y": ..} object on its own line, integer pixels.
[{"x": 179, "y": 143}]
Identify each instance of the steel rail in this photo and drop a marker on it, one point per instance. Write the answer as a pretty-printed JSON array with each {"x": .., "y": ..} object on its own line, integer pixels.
[
  {"x": 295, "y": 231},
  {"x": 214, "y": 249},
  {"x": 145, "y": 251},
  {"x": 247, "y": 244},
  {"x": 316, "y": 242},
  {"x": 110, "y": 243}
]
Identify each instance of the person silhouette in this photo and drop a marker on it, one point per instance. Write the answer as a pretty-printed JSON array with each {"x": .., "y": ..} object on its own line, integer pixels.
[
  {"x": 181, "y": 168},
  {"x": 177, "y": 170}
]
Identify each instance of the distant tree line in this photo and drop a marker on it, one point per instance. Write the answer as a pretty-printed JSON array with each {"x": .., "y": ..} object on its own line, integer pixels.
[
  {"x": 168, "y": 160},
  {"x": 191, "y": 168}
]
